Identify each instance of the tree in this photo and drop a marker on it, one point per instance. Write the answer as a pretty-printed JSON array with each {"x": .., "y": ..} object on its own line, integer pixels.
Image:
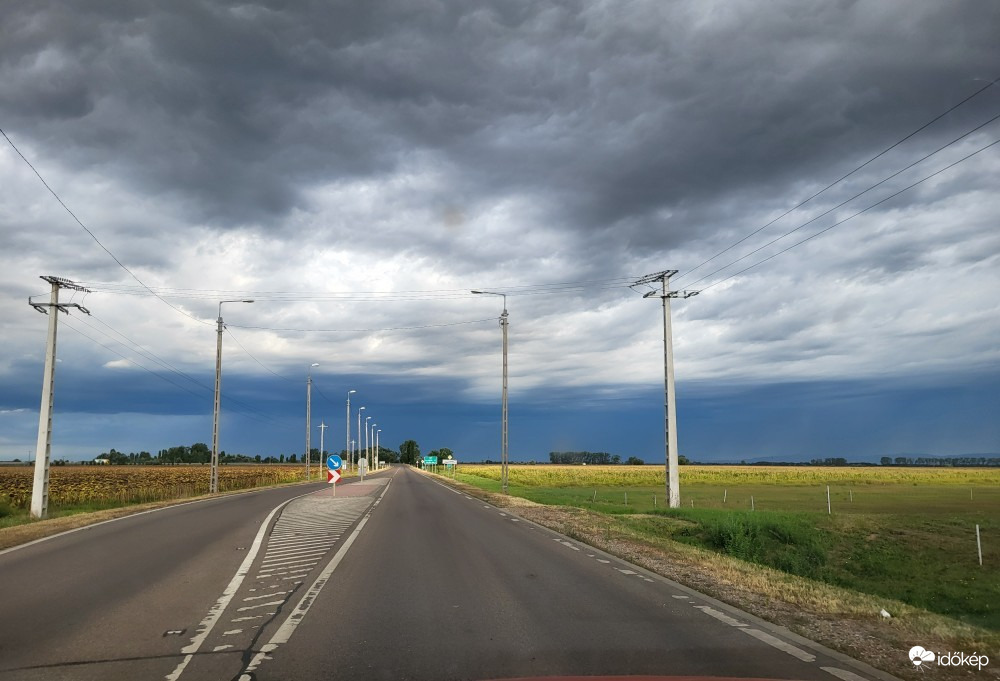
[
  {"x": 886, "y": 461},
  {"x": 409, "y": 452},
  {"x": 635, "y": 461}
]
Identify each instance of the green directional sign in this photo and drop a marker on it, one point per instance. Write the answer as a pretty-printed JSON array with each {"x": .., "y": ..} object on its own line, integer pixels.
[{"x": 430, "y": 461}]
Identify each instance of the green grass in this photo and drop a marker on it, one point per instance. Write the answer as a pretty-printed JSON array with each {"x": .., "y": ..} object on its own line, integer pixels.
[{"x": 913, "y": 543}]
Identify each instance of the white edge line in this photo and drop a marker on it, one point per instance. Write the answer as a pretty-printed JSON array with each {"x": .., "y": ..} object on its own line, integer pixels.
[
  {"x": 298, "y": 613},
  {"x": 843, "y": 674},
  {"x": 215, "y": 612},
  {"x": 136, "y": 515},
  {"x": 776, "y": 642}
]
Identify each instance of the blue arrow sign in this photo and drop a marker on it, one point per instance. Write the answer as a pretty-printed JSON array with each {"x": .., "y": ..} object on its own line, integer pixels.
[{"x": 333, "y": 462}]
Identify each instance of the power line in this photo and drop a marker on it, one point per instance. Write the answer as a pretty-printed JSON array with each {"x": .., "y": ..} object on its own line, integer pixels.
[
  {"x": 846, "y": 201},
  {"x": 391, "y": 328},
  {"x": 284, "y": 378},
  {"x": 92, "y": 235},
  {"x": 844, "y": 177},
  {"x": 358, "y": 296},
  {"x": 238, "y": 405},
  {"x": 864, "y": 210}
]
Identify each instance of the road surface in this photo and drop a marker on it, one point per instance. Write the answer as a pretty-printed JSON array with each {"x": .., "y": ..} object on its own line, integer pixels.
[{"x": 398, "y": 577}]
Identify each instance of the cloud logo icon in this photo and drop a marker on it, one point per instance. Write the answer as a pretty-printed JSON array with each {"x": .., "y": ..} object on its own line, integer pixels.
[{"x": 918, "y": 656}]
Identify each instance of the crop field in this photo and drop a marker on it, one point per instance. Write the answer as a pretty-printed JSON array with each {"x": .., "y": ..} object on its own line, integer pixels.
[
  {"x": 903, "y": 533},
  {"x": 108, "y": 486}
]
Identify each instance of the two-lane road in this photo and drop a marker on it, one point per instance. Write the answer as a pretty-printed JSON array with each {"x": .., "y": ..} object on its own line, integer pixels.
[{"x": 397, "y": 578}]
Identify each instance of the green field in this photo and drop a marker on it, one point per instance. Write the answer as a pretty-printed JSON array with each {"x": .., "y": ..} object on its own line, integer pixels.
[{"x": 903, "y": 533}]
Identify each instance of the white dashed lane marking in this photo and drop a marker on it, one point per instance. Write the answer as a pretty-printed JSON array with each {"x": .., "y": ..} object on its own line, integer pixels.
[
  {"x": 721, "y": 616},
  {"x": 776, "y": 642},
  {"x": 760, "y": 635},
  {"x": 843, "y": 674}
]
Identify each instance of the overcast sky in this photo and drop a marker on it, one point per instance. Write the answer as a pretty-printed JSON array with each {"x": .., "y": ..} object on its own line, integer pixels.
[{"x": 358, "y": 168}]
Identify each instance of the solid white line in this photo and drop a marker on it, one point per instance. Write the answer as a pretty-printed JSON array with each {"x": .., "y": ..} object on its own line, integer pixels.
[
  {"x": 775, "y": 642},
  {"x": 272, "y": 595},
  {"x": 281, "y": 546},
  {"x": 283, "y": 562},
  {"x": 269, "y": 558},
  {"x": 260, "y": 605},
  {"x": 287, "y": 628},
  {"x": 311, "y": 546},
  {"x": 136, "y": 515},
  {"x": 721, "y": 616},
  {"x": 843, "y": 674},
  {"x": 215, "y": 612}
]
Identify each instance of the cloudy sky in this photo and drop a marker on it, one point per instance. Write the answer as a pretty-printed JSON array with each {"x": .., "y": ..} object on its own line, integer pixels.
[{"x": 358, "y": 168}]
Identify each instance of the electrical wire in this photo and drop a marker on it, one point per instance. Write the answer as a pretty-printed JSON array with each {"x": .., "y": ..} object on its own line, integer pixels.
[
  {"x": 851, "y": 217},
  {"x": 359, "y": 296},
  {"x": 390, "y": 328},
  {"x": 236, "y": 404},
  {"x": 846, "y": 201},
  {"x": 92, "y": 235},
  {"x": 284, "y": 378},
  {"x": 844, "y": 177}
]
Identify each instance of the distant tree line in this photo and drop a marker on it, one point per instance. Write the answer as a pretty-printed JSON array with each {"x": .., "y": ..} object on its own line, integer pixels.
[
  {"x": 600, "y": 459},
  {"x": 949, "y": 461}
]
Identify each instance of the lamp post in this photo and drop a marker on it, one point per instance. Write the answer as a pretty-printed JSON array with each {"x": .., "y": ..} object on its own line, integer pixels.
[
  {"x": 503, "y": 407},
  {"x": 213, "y": 485},
  {"x": 378, "y": 459},
  {"x": 357, "y": 446},
  {"x": 309, "y": 385},
  {"x": 367, "y": 459},
  {"x": 322, "y": 460},
  {"x": 347, "y": 446},
  {"x": 371, "y": 452}
]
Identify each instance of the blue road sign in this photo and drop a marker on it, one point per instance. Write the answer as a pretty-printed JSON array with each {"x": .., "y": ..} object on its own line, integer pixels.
[{"x": 333, "y": 462}]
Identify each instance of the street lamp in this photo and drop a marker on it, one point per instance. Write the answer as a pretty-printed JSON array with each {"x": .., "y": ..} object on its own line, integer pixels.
[
  {"x": 347, "y": 446},
  {"x": 357, "y": 450},
  {"x": 503, "y": 408},
  {"x": 213, "y": 485},
  {"x": 378, "y": 460},
  {"x": 309, "y": 385},
  {"x": 368, "y": 462},
  {"x": 371, "y": 453}
]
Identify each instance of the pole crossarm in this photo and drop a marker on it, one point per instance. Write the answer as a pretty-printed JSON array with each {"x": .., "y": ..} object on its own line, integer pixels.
[
  {"x": 669, "y": 400},
  {"x": 670, "y": 294},
  {"x": 43, "y": 448}
]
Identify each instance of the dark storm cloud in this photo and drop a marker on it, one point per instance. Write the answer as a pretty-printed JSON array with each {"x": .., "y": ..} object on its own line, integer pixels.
[{"x": 622, "y": 121}]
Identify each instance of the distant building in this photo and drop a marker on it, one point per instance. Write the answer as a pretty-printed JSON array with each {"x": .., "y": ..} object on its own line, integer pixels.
[{"x": 102, "y": 461}]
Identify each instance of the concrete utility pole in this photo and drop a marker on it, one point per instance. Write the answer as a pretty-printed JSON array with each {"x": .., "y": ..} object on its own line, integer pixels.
[
  {"x": 309, "y": 387},
  {"x": 43, "y": 448},
  {"x": 504, "y": 323},
  {"x": 669, "y": 403},
  {"x": 213, "y": 485},
  {"x": 347, "y": 446}
]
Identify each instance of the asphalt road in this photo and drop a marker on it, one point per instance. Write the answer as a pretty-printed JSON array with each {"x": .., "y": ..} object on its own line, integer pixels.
[{"x": 396, "y": 578}]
